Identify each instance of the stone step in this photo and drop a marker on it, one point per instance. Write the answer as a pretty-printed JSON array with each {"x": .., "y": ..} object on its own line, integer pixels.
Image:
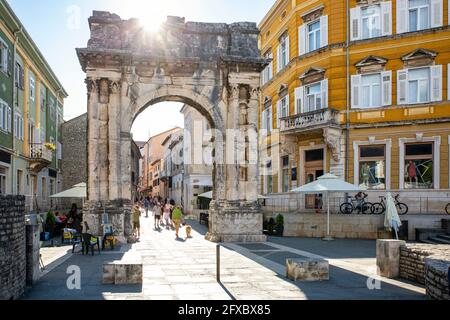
[
  {"x": 444, "y": 236},
  {"x": 430, "y": 241}
]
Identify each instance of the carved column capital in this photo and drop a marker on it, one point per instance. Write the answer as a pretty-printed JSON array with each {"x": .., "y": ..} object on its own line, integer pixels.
[
  {"x": 91, "y": 85},
  {"x": 234, "y": 91},
  {"x": 254, "y": 93},
  {"x": 115, "y": 86}
]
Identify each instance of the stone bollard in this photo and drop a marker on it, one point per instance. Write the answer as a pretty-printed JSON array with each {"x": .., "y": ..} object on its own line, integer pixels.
[{"x": 388, "y": 257}]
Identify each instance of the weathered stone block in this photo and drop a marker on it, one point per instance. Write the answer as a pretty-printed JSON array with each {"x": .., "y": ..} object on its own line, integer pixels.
[
  {"x": 307, "y": 269},
  {"x": 121, "y": 272},
  {"x": 388, "y": 257}
]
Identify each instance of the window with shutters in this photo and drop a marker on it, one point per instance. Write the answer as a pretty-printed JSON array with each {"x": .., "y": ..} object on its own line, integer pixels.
[
  {"x": 19, "y": 76},
  {"x": 5, "y": 116},
  {"x": 283, "y": 52},
  {"x": 313, "y": 36},
  {"x": 32, "y": 88},
  {"x": 371, "y": 22},
  {"x": 283, "y": 109},
  {"x": 313, "y": 97},
  {"x": 266, "y": 119},
  {"x": 43, "y": 98},
  {"x": 371, "y": 90},
  {"x": 418, "y": 85},
  {"x": 419, "y": 14},
  {"x": 18, "y": 126},
  {"x": 4, "y": 56},
  {"x": 268, "y": 71}
]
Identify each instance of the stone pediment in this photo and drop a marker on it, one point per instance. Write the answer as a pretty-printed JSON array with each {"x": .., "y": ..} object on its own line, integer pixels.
[
  {"x": 419, "y": 54},
  {"x": 282, "y": 91},
  {"x": 419, "y": 57},
  {"x": 371, "y": 64},
  {"x": 313, "y": 74}
]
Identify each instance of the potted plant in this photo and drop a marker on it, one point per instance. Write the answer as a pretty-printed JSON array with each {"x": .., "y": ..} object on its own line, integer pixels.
[
  {"x": 50, "y": 146},
  {"x": 279, "y": 225}
]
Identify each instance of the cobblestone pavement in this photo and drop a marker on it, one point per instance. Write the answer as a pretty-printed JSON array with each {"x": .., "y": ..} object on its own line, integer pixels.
[{"x": 186, "y": 270}]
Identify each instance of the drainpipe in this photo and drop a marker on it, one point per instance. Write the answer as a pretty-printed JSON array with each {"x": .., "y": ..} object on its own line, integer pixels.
[
  {"x": 347, "y": 115},
  {"x": 13, "y": 155}
]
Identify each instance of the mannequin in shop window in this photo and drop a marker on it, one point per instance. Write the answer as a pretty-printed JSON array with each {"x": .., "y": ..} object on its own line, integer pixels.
[
  {"x": 412, "y": 173},
  {"x": 365, "y": 174}
]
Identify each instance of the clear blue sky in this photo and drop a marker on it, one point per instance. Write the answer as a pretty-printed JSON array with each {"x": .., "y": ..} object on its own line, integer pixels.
[{"x": 60, "y": 26}]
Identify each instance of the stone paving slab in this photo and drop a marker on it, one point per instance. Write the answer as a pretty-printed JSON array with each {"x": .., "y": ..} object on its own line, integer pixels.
[{"x": 181, "y": 270}]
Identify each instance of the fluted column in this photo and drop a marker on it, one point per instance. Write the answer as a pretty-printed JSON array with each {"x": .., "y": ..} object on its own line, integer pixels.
[
  {"x": 252, "y": 134},
  {"x": 232, "y": 165},
  {"x": 92, "y": 140},
  {"x": 114, "y": 140}
]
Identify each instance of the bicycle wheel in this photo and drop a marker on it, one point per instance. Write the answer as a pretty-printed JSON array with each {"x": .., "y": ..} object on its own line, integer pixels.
[
  {"x": 378, "y": 208},
  {"x": 346, "y": 208},
  {"x": 402, "y": 208},
  {"x": 367, "y": 208},
  {"x": 447, "y": 208}
]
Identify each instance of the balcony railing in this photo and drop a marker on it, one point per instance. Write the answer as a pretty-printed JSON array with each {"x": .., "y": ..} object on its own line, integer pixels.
[
  {"x": 38, "y": 151},
  {"x": 310, "y": 120}
]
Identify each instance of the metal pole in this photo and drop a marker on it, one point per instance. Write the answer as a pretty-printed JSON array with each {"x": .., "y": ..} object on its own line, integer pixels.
[{"x": 218, "y": 262}]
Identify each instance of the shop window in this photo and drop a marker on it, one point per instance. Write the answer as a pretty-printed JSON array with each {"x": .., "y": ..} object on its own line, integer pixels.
[
  {"x": 372, "y": 167},
  {"x": 419, "y": 166}
]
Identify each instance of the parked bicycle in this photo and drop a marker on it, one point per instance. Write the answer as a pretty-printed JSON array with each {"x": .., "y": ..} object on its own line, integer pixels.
[
  {"x": 380, "y": 207},
  {"x": 447, "y": 208},
  {"x": 357, "y": 204}
]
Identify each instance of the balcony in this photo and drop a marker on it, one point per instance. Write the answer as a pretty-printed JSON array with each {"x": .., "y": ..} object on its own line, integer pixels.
[
  {"x": 310, "y": 121},
  {"x": 40, "y": 157}
]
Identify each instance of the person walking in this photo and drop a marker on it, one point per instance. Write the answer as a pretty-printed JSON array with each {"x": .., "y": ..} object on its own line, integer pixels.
[
  {"x": 166, "y": 214},
  {"x": 146, "y": 206},
  {"x": 177, "y": 216},
  {"x": 137, "y": 222}
]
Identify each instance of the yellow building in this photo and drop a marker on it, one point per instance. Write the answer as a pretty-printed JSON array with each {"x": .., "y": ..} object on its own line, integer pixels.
[{"x": 357, "y": 88}]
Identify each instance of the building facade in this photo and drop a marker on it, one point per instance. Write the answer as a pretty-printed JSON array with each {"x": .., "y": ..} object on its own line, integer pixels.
[
  {"x": 359, "y": 91},
  {"x": 153, "y": 150},
  {"x": 198, "y": 162},
  {"x": 31, "y": 113}
]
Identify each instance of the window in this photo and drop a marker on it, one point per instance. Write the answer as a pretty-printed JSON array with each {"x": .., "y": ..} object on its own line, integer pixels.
[
  {"x": 415, "y": 15},
  {"x": 43, "y": 99},
  {"x": 52, "y": 187},
  {"x": 266, "y": 119},
  {"x": 4, "y": 57},
  {"x": 3, "y": 175},
  {"x": 283, "y": 52},
  {"x": 419, "y": 15},
  {"x": 18, "y": 126},
  {"x": 283, "y": 109},
  {"x": 314, "y": 36},
  {"x": 419, "y": 85},
  {"x": 32, "y": 88},
  {"x": 419, "y": 166},
  {"x": 285, "y": 174},
  {"x": 313, "y": 97},
  {"x": 5, "y": 116},
  {"x": 372, "y": 90},
  {"x": 19, "y": 76},
  {"x": 268, "y": 71},
  {"x": 269, "y": 184},
  {"x": 371, "y": 22},
  {"x": 31, "y": 132},
  {"x": 372, "y": 167},
  {"x": 19, "y": 182}
]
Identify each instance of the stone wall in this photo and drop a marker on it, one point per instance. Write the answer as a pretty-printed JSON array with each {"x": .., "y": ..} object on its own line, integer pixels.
[
  {"x": 12, "y": 247},
  {"x": 437, "y": 279},
  {"x": 312, "y": 225},
  {"x": 412, "y": 259}
]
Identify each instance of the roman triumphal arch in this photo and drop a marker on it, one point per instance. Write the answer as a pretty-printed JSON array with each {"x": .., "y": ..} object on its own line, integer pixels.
[{"x": 215, "y": 68}]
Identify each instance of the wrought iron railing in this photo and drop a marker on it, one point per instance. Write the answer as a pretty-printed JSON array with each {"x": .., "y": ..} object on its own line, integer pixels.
[{"x": 310, "y": 120}]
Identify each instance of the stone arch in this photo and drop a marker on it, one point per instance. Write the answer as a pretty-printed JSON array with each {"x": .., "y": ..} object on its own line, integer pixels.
[{"x": 214, "y": 68}]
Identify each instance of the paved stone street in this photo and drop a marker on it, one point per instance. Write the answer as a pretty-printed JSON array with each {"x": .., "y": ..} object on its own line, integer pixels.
[{"x": 185, "y": 269}]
